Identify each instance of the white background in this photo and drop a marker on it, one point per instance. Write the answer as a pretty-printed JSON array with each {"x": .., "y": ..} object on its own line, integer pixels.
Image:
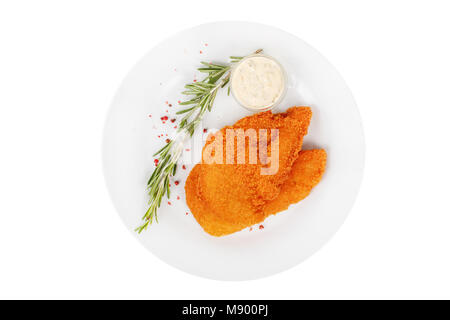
[{"x": 60, "y": 64}]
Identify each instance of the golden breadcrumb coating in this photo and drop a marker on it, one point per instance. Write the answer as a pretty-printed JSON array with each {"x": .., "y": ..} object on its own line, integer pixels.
[
  {"x": 306, "y": 173},
  {"x": 225, "y": 198}
]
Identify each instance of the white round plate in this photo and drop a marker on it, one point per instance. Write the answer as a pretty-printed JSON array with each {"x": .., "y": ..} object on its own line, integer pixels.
[{"x": 131, "y": 137}]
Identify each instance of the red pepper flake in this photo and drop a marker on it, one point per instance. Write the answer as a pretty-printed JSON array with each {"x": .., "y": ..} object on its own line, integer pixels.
[
  {"x": 187, "y": 213},
  {"x": 179, "y": 101},
  {"x": 183, "y": 167},
  {"x": 195, "y": 80},
  {"x": 156, "y": 162},
  {"x": 178, "y": 197},
  {"x": 167, "y": 102},
  {"x": 177, "y": 182},
  {"x": 149, "y": 115},
  {"x": 165, "y": 118},
  {"x": 201, "y": 51},
  {"x": 167, "y": 140},
  {"x": 175, "y": 127},
  {"x": 170, "y": 105},
  {"x": 206, "y": 44},
  {"x": 250, "y": 229},
  {"x": 205, "y": 130},
  {"x": 169, "y": 203},
  {"x": 261, "y": 227},
  {"x": 173, "y": 120},
  {"x": 188, "y": 150}
]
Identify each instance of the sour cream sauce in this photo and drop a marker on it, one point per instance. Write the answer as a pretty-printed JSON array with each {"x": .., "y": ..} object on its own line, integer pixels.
[{"x": 258, "y": 82}]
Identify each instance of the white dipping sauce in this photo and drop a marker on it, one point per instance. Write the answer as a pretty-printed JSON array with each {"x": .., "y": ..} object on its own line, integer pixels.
[{"x": 258, "y": 82}]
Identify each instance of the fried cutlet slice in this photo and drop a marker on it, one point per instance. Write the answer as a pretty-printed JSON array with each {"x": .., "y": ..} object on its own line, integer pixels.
[
  {"x": 228, "y": 188},
  {"x": 306, "y": 173},
  {"x": 292, "y": 126}
]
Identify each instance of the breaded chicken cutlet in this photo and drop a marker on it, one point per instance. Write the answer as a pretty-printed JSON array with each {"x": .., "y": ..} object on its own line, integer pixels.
[{"x": 228, "y": 197}]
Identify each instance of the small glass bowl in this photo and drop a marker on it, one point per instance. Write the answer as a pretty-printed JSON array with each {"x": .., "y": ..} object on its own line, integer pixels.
[{"x": 273, "y": 104}]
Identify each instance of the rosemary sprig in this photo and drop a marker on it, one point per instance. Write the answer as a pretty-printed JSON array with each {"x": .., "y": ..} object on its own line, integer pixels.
[{"x": 202, "y": 95}]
